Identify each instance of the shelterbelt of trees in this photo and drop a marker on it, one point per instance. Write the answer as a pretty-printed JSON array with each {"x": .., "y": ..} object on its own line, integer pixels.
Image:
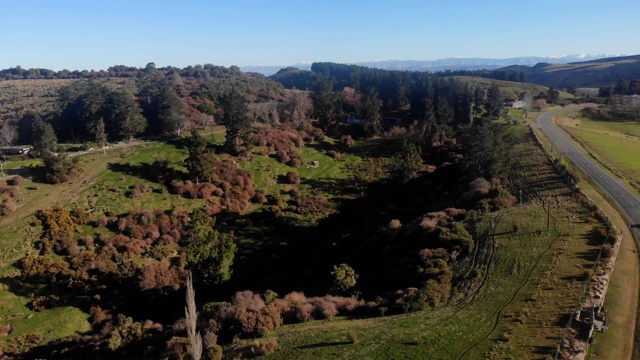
[{"x": 383, "y": 239}]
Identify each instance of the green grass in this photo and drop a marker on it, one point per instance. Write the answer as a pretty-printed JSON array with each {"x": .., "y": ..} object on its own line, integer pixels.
[
  {"x": 617, "y": 143},
  {"x": 612, "y": 128},
  {"x": 533, "y": 278},
  {"x": 533, "y": 281},
  {"x": 620, "y": 152},
  {"x": 526, "y": 295}
]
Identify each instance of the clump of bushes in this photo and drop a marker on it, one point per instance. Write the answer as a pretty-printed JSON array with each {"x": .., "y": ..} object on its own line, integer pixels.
[
  {"x": 311, "y": 204},
  {"x": 8, "y": 195},
  {"x": 138, "y": 190},
  {"x": 292, "y": 177},
  {"x": 263, "y": 347},
  {"x": 232, "y": 184},
  {"x": 282, "y": 143},
  {"x": 249, "y": 315}
]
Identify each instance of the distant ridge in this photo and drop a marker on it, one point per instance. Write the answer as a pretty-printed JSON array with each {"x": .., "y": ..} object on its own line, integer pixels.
[
  {"x": 446, "y": 64},
  {"x": 593, "y": 73}
]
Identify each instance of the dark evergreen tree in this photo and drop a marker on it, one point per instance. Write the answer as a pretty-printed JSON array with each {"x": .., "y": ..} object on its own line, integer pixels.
[
  {"x": 553, "y": 95},
  {"x": 494, "y": 101},
  {"x": 371, "y": 115},
  {"x": 123, "y": 115},
  {"x": 25, "y": 127},
  {"x": 621, "y": 88},
  {"x": 209, "y": 253},
  {"x": 483, "y": 150},
  {"x": 634, "y": 87},
  {"x": 236, "y": 121},
  {"x": 160, "y": 103},
  {"x": 201, "y": 160},
  {"x": 327, "y": 104},
  {"x": 82, "y": 104},
  {"x": 408, "y": 162},
  {"x": 44, "y": 138}
]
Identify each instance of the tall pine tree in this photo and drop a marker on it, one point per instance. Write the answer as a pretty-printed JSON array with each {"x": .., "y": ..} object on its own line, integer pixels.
[{"x": 236, "y": 121}]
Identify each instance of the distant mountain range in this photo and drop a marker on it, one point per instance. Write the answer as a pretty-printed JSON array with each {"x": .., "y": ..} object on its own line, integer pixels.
[{"x": 446, "y": 64}]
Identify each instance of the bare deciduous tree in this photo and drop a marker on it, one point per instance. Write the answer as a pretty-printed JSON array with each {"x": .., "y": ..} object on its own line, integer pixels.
[
  {"x": 7, "y": 134},
  {"x": 205, "y": 121}
]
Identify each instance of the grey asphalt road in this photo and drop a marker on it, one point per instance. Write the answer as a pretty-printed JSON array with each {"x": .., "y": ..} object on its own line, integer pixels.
[{"x": 626, "y": 200}]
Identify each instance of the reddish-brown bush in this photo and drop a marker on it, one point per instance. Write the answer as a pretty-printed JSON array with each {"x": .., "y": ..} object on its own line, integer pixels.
[
  {"x": 259, "y": 197},
  {"x": 295, "y": 162},
  {"x": 99, "y": 315},
  {"x": 334, "y": 154},
  {"x": 8, "y": 208},
  {"x": 347, "y": 140},
  {"x": 311, "y": 204},
  {"x": 160, "y": 275},
  {"x": 282, "y": 156},
  {"x": 292, "y": 177},
  {"x": 480, "y": 186}
]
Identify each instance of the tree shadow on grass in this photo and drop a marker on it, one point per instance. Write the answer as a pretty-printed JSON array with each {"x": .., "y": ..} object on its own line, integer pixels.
[
  {"x": 543, "y": 350},
  {"x": 323, "y": 344},
  {"x": 158, "y": 172}
]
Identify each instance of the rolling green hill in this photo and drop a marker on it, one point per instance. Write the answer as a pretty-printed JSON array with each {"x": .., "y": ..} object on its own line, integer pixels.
[{"x": 596, "y": 73}]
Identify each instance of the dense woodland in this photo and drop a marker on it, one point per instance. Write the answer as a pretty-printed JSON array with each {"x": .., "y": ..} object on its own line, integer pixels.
[{"x": 387, "y": 240}]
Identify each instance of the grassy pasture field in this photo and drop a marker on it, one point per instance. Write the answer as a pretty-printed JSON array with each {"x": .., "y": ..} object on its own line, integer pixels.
[
  {"x": 616, "y": 143},
  {"x": 104, "y": 185},
  {"x": 622, "y": 299},
  {"x": 529, "y": 283}
]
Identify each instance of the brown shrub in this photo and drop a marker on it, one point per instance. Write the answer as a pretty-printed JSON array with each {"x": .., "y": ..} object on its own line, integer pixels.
[
  {"x": 295, "y": 299},
  {"x": 323, "y": 308},
  {"x": 263, "y": 347},
  {"x": 396, "y": 131},
  {"x": 292, "y": 177},
  {"x": 248, "y": 312},
  {"x": 102, "y": 221},
  {"x": 99, "y": 315},
  {"x": 295, "y": 162},
  {"x": 311, "y": 204},
  {"x": 304, "y": 313},
  {"x": 334, "y": 154},
  {"x": 135, "y": 193},
  {"x": 282, "y": 156},
  {"x": 160, "y": 275},
  {"x": 352, "y": 337},
  {"x": 394, "y": 224},
  {"x": 87, "y": 240},
  {"x": 347, "y": 140},
  {"x": 16, "y": 180},
  {"x": 8, "y": 208},
  {"x": 480, "y": 186},
  {"x": 259, "y": 197},
  {"x": 5, "y": 330}
]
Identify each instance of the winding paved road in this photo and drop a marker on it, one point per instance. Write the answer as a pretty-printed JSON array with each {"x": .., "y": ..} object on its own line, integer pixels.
[{"x": 626, "y": 200}]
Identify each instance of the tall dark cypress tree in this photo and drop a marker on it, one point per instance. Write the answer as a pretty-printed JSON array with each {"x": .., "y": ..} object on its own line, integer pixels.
[
  {"x": 236, "y": 121},
  {"x": 44, "y": 138},
  {"x": 371, "y": 116}
]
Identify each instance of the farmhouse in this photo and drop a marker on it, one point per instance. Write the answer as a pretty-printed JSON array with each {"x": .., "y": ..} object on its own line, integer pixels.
[{"x": 514, "y": 103}]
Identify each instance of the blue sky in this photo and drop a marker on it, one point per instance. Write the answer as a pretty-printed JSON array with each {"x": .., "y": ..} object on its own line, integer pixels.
[{"x": 92, "y": 34}]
